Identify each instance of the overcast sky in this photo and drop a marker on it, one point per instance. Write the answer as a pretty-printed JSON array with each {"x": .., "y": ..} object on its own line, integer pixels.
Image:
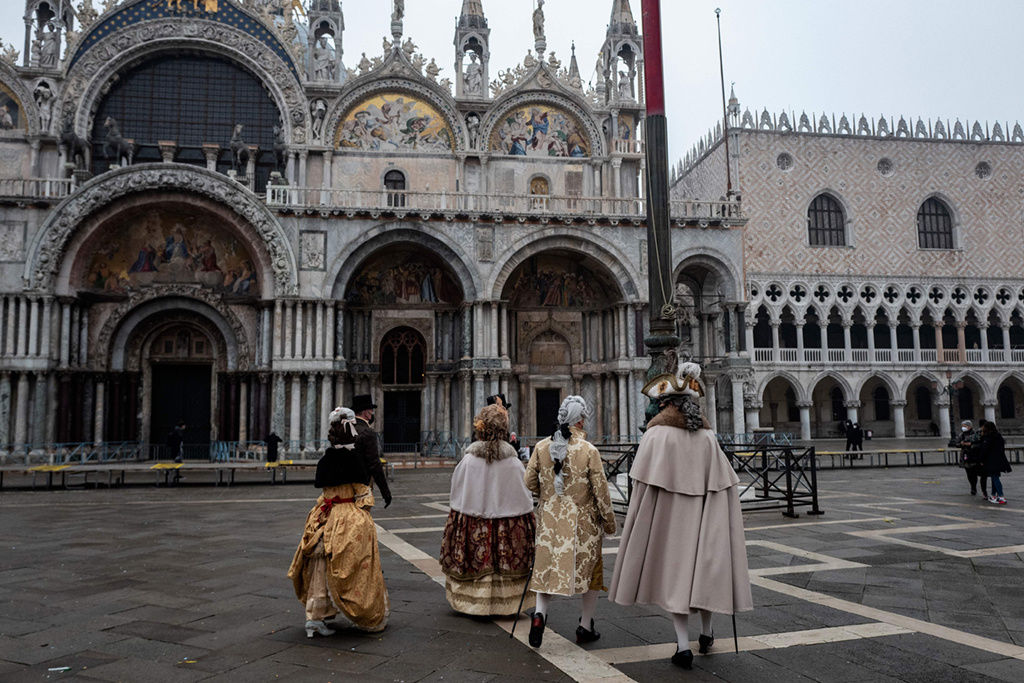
[{"x": 927, "y": 58}]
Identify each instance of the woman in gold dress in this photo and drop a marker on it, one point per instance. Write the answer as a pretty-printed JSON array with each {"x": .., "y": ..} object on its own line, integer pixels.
[{"x": 336, "y": 567}]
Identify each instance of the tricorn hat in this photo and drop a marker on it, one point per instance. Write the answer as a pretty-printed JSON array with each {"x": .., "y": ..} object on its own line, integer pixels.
[
  {"x": 683, "y": 382},
  {"x": 362, "y": 402}
]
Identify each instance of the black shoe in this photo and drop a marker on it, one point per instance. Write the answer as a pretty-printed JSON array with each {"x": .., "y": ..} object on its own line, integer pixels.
[
  {"x": 537, "y": 630},
  {"x": 974, "y": 492},
  {"x": 585, "y": 636},
  {"x": 705, "y": 643},
  {"x": 683, "y": 658}
]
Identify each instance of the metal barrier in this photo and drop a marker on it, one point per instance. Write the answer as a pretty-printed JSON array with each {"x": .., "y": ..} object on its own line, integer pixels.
[
  {"x": 618, "y": 461},
  {"x": 774, "y": 477}
]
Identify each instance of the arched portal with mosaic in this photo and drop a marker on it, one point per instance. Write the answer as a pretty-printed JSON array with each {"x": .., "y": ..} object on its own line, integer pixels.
[{"x": 394, "y": 122}]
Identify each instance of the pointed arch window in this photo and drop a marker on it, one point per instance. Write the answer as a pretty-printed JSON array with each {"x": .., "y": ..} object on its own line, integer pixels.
[
  {"x": 934, "y": 225},
  {"x": 402, "y": 354},
  {"x": 826, "y": 222},
  {"x": 394, "y": 185}
]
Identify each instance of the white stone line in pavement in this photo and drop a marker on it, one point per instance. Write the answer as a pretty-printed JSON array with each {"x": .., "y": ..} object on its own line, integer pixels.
[
  {"x": 767, "y": 641},
  {"x": 822, "y": 523},
  {"x": 926, "y": 627},
  {"x": 822, "y": 562},
  {"x": 443, "y": 507},
  {"x": 577, "y": 663},
  {"x": 416, "y": 529},
  {"x": 404, "y": 517},
  {"x": 889, "y": 536}
]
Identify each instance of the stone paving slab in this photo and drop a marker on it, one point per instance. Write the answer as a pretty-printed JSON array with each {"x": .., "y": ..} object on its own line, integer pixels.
[{"x": 188, "y": 583}]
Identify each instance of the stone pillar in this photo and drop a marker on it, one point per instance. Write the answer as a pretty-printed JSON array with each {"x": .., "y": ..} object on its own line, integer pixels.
[
  {"x": 314, "y": 330},
  {"x": 961, "y": 340},
  {"x": 799, "y": 340},
  {"x": 65, "y": 334},
  {"x": 737, "y": 407},
  {"x": 40, "y": 415},
  {"x": 990, "y": 410},
  {"x": 944, "y": 418},
  {"x": 296, "y": 411},
  {"x": 265, "y": 336},
  {"x": 5, "y": 409},
  {"x": 310, "y": 417},
  {"x": 983, "y": 333},
  {"x": 326, "y": 404},
  {"x": 243, "y": 411},
  {"x": 478, "y": 395},
  {"x": 278, "y": 330},
  {"x": 278, "y": 405},
  {"x": 22, "y": 327},
  {"x": 893, "y": 341},
  {"x": 467, "y": 331},
  {"x": 168, "y": 148},
  {"x": 753, "y": 415},
  {"x": 494, "y": 329},
  {"x": 339, "y": 332},
  {"x": 1006, "y": 342},
  {"x": 47, "y": 328},
  {"x": 287, "y": 330},
  {"x": 915, "y": 328},
  {"x": 22, "y": 415},
  {"x": 428, "y": 407},
  {"x": 211, "y": 152},
  {"x": 99, "y": 411},
  {"x": 805, "y": 419},
  {"x": 899, "y": 422},
  {"x": 12, "y": 331},
  {"x": 467, "y": 406},
  {"x": 623, "y": 406},
  {"x": 303, "y": 156},
  {"x": 300, "y": 348},
  {"x": 599, "y": 409},
  {"x": 940, "y": 345},
  {"x": 847, "y": 344},
  {"x": 329, "y": 343},
  {"x": 851, "y": 410},
  {"x": 750, "y": 337},
  {"x": 711, "y": 402},
  {"x": 870, "y": 325},
  {"x": 446, "y": 406},
  {"x": 776, "y": 346},
  {"x": 83, "y": 342}
]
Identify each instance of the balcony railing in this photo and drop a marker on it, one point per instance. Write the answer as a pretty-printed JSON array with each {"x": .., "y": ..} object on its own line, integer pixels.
[
  {"x": 318, "y": 199},
  {"x": 34, "y": 188},
  {"x": 888, "y": 356},
  {"x": 629, "y": 147}
]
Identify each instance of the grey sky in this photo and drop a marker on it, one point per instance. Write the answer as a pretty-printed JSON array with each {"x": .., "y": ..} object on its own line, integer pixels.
[{"x": 927, "y": 58}]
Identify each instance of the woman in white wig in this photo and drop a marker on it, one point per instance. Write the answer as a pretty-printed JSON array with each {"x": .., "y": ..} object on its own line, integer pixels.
[
  {"x": 487, "y": 548},
  {"x": 566, "y": 473},
  {"x": 682, "y": 545},
  {"x": 336, "y": 567}
]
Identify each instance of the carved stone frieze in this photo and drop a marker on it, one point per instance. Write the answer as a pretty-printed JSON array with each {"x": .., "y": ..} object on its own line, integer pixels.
[
  {"x": 48, "y": 247},
  {"x": 92, "y": 73}
]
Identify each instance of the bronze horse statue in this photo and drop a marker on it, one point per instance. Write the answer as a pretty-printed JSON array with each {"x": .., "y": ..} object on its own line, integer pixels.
[
  {"x": 76, "y": 148},
  {"x": 116, "y": 147}
]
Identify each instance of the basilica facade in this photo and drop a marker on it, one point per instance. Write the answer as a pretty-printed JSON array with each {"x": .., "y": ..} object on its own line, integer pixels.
[
  {"x": 883, "y": 260},
  {"x": 210, "y": 215}
]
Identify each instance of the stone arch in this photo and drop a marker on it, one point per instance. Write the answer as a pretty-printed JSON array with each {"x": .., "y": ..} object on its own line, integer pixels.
[
  {"x": 562, "y": 331},
  {"x": 347, "y": 262},
  {"x": 10, "y": 80},
  {"x": 913, "y": 377},
  {"x": 790, "y": 378},
  {"x": 886, "y": 379},
  {"x": 715, "y": 262},
  {"x": 529, "y": 246},
  {"x": 371, "y": 84},
  {"x": 98, "y": 61},
  {"x": 954, "y": 217},
  {"x": 848, "y": 394},
  {"x": 119, "y": 327},
  {"x": 556, "y": 97},
  {"x": 836, "y": 196},
  {"x": 46, "y": 254},
  {"x": 987, "y": 392}
]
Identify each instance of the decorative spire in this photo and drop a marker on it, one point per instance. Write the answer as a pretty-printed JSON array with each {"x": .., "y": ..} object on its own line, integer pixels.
[
  {"x": 472, "y": 15},
  {"x": 622, "y": 21},
  {"x": 574, "y": 68}
]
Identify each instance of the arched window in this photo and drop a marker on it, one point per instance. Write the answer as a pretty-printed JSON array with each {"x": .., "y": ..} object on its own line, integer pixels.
[
  {"x": 539, "y": 191},
  {"x": 923, "y": 402},
  {"x": 402, "y": 353},
  {"x": 792, "y": 409},
  {"x": 965, "y": 402},
  {"x": 838, "y": 410},
  {"x": 1007, "y": 409},
  {"x": 394, "y": 185},
  {"x": 826, "y": 224},
  {"x": 881, "y": 398},
  {"x": 934, "y": 225}
]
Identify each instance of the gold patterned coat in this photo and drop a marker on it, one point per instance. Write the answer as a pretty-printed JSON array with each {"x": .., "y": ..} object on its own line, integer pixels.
[{"x": 571, "y": 526}]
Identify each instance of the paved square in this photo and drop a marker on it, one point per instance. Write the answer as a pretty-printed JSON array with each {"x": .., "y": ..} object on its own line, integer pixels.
[{"x": 905, "y": 578}]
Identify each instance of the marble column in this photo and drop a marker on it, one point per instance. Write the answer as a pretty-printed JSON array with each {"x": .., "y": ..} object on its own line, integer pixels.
[
  {"x": 12, "y": 330},
  {"x": 851, "y": 410},
  {"x": 47, "y": 328},
  {"x": 961, "y": 340},
  {"x": 870, "y": 325},
  {"x": 99, "y": 411},
  {"x": 277, "y": 406},
  {"x": 805, "y": 419},
  {"x": 737, "y": 407},
  {"x": 944, "y": 419},
  {"x": 753, "y": 416},
  {"x": 265, "y": 336},
  {"x": 623, "y": 406},
  {"x": 467, "y": 406},
  {"x": 340, "y": 397},
  {"x": 893, "y": 342},
  {"x": 22, "y": 327},
  {"x": 898, "y": 419},
  {"x": 446, "y": 406},
  {"x": 990, "y": 410},
  {"x": 599, "y": 409},
  {"x": 983, "y": 333},
  {"x": 326, "y": 404},
  {"x": 288, "y": 330},
  {"x": 294, "y": 434},
  {"x": 21, "y": 415},
  {"x": 1006, "y": 343},
  {"x": 329, "y": 343},
  {"x": 915, "y": 329},
  {"x": 711, "y": 402},
  {"x": 339, "y": 332},
  {"x": 300, "y": 347},
  {"x": 776, "y": 356},
  {"x": 33, "y": 328},
  {"x": 278, "y": 329},
  {"x": 243, "y": 411},
  {"x": 314, "y": 329},
  {"x": 5, "y": 409},
  {"x": 65, "y": 335},
  {"x": 311, "y": 436},
  {"x": 428, "y": 406},
  {"x": 847, "y": 342},
  {"x": 83, "y": 342},
  {"x": 478, "y": 394},
  {"x": 40, "y": 415}
]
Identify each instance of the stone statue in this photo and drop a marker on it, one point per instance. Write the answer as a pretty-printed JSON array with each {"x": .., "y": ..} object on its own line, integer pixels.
[
  {"x": 318, "y": 111},
  {"x": 239, "y": 150},
  {"x": 473, "y": 80},
  {"x": 625, "y": 86},
  {"x": 116, "y": 147},
  {"x": 409, "y": 48},
  {"x": 44, "y": 100},
  {"x": 280, "y": 150},
  {"x": 538, "y": 21},
  {"x": 76, "y": 148},
  {"x": 387, "y": 45},
  {"x": 49, "y": 50},
  {"x": 554, "y": 62},
  {"x": 323, "y": 61},
  {"x": 433, "y": 69},
  {"x": 473, "y": 126},
  {"x": 398, "y": 13},
  {"x": 529, "y": 61}
]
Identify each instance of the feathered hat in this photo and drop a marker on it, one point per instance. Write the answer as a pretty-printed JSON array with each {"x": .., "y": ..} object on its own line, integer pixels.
[{"x": 685, "y": 381}]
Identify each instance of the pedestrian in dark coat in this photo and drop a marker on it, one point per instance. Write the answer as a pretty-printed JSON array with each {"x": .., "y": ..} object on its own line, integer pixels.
[
  {"x": 993, "y": 455},
  {"x": 970, "y": 457},
  {"x": 857, "y": 433},
  {"x": 367, "y": 446},
  {"x": 272, "y": 440}
]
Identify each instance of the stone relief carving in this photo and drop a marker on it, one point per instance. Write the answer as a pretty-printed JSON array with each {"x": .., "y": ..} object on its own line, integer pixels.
[
  {"x": 44, "y": 262},
  {"x": 94, "y": 69},
  {"x": 312, "y": 249}
]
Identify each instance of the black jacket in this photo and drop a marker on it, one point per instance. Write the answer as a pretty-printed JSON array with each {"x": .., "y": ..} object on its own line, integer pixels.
[
  {"x": 993, "y": 454},
  {"x": 367, "y": 450}
]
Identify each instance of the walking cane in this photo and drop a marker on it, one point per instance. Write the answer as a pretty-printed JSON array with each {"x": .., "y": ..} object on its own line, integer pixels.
[
  {"x": 735, "y": 637},
  {"x": 523, "y": 598}
]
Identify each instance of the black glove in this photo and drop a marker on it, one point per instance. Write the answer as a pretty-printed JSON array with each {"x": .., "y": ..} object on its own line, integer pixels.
[{"x": 387, "y": 501}]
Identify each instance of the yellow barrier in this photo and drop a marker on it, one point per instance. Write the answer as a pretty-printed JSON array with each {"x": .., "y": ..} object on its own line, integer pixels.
[
  {"x": 48, "y": 468},
  {"x": 167, "y": 466},
  {"x": 278, "y": 463}
]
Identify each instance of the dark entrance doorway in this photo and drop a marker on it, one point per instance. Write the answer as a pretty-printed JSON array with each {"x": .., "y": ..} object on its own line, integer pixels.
[
  {"x": 180, "y": 392},
  {"x": 548, "y": 402},
  {"x": 401, "y": 421}
]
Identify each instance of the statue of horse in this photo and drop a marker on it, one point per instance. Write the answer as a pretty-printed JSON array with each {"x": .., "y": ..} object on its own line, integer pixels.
[
  {"x": 239, "y": 150},
  {"x": 280, "y": 149},
  {"x": 116, "y": 147},
  {"x": 76, "y": 148}
]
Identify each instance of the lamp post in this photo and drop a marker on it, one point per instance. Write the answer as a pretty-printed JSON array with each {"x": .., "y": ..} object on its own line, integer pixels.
[
  {"x": 951, "y": 393},
  {"x": 662, "y": 338}
]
